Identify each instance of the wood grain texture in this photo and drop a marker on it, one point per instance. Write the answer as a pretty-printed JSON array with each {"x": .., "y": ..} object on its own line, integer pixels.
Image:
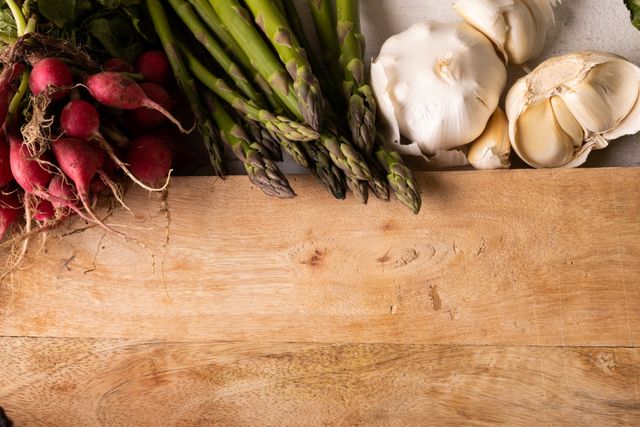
[
  {"x": 496, "y": 258},
  {"x": 85, "y": 382}
]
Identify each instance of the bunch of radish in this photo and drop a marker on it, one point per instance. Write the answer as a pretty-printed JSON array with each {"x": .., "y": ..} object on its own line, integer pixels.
[{"x": 104, "y": 127}]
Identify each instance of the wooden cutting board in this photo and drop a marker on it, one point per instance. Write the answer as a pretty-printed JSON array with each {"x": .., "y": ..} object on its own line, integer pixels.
[{"x": 514, "y": 297}]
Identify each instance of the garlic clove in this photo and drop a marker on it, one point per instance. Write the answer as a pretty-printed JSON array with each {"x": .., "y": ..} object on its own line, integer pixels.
[
  {"x": 485, "y": 16},
  {"x": 492, "y": 149},
  {"x": 539, "y": 139},
  {"x": 567, "y": 121},
  {"x": 604, "y": 97},
  {"x": 518, "y": 28},
  {"x": 630, "y": 125},
  {"x": 525, "y": 34}
]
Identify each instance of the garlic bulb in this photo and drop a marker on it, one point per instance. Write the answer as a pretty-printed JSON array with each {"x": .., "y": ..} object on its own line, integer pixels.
[
  {"x": 492, "y": 149},
  {"x": 437, "y": 85},
  {"x": 517, "y": 27},
  {"x": 571, "y": 105}
]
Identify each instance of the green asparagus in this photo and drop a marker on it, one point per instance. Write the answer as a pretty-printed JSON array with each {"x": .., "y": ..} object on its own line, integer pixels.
[
  {"x": 277, "y": 124},
  {"x": 306, "y": 86},
  {"x": 325, "y": 23},
  {"x": 360, "y": 189},
  {"x": 210, "y": 18},
  {"x": 270, "y": 147},
  {"x": 323, "y": 168},
  {"x": 240, "y": 26},
  {"x": 361, "y": 105},
  {"x": 400, "y": 178},
  {"x": 186, "y": 13},
  {"x": 345, "y": 156},
  {"x": 263, "y": 172},
  {"x": 187, "y": 85}
]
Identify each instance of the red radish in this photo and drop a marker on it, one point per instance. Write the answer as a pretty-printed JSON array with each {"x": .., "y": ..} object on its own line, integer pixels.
[
  {"x": 5, "y": 164},
  {"x": 147, "y": 118},
  {"x": 155, "y": 67},
  {"x": 64, "y": 195},
  {"x": 97, "y": 185},
  {"x": 30, "y": 174},
  {"x": 10, "y": 210},
  {"x": 50, "y": 72},
  {"x": 118, "y": 65},
  {"x": 44, "y": 211},
  {"x": 120, "y": 91},
  {"x": 79, "y": 119},
  {"x": 149, "y": 159},
  {"x": 79, "y": 160}
]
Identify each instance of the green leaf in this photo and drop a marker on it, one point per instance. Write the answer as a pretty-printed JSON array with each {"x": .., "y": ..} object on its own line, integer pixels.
[
  {"x": 7, "y": 23},
  {"x": 112, "y": 4},
  {"x": 634, "y": 7},
  {"x": 60, "y": 12},
  {"x": 117, "y": 36}
]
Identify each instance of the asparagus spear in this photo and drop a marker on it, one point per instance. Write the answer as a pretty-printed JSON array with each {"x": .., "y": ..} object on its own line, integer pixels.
[
  {"x": 233, "y": 49},
  {"x": 278, "y": 124},
  {"x": 360, "y": 189},
  {"x": 323, "y": 168},
  {"x": 379, "y": 183},
  {"x": 325, "y": 23},
  {"x": 400, "y": 177},
  {"x": 296, "y": 152},
  {"x": 187, "y": 85},
  {"x": 270, "y": 147},
  {"x": 361, "y": 109},
  {"x": 345, "y": 156},
  {"x": 326, "y": 83},
  {"x": 240, "y": 26},
  {"x": 186, "y": 13},
  {"x": 305, "y": 84},
  {"x": 263, "y": 172}
]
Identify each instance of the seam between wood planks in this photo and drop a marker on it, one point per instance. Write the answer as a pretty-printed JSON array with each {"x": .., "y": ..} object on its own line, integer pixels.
[{"x": 152, "y": 341}]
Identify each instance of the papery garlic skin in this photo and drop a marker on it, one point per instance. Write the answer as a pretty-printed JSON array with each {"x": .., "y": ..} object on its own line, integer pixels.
[
  {"x": 492, "y": 149},
  {"x": 437, "y": 85},
  {"x": 518, "y": 28},
  {"x": 571, "y": 105}
]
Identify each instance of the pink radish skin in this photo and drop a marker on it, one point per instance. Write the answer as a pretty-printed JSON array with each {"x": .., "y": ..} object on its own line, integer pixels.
[
  {"x": 79, "y": 161},
  {"x": 155, "y": 67},
  {"x": 10, "y": 211},
  {"x": 50, "y": 72},
  {"x": 147, "y": 118},
  {"x": 119, "y": 91},
  {"x": 118, "y": 65},
  {"x": 79, "y": 119},
  {"x": 44, "y": 211},
  {"x": 28, "y": 173},
  {"x": 64, "y": 196},
  {"x": 5, "y": 164},
  {"x": 149, "y": 159}
]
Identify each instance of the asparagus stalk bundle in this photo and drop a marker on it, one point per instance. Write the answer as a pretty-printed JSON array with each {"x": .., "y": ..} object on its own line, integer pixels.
[
  {"x": 263, "y": 172},
  {"x": 257, "y": 60}
]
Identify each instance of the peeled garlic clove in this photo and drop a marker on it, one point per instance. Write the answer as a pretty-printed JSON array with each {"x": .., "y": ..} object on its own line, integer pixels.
[
  {"x": 518, "y": 28},
  {"x": 492, "y": 149},
  {"x": 438, "y": 84},
  {"x": 539, "y": 140}
]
